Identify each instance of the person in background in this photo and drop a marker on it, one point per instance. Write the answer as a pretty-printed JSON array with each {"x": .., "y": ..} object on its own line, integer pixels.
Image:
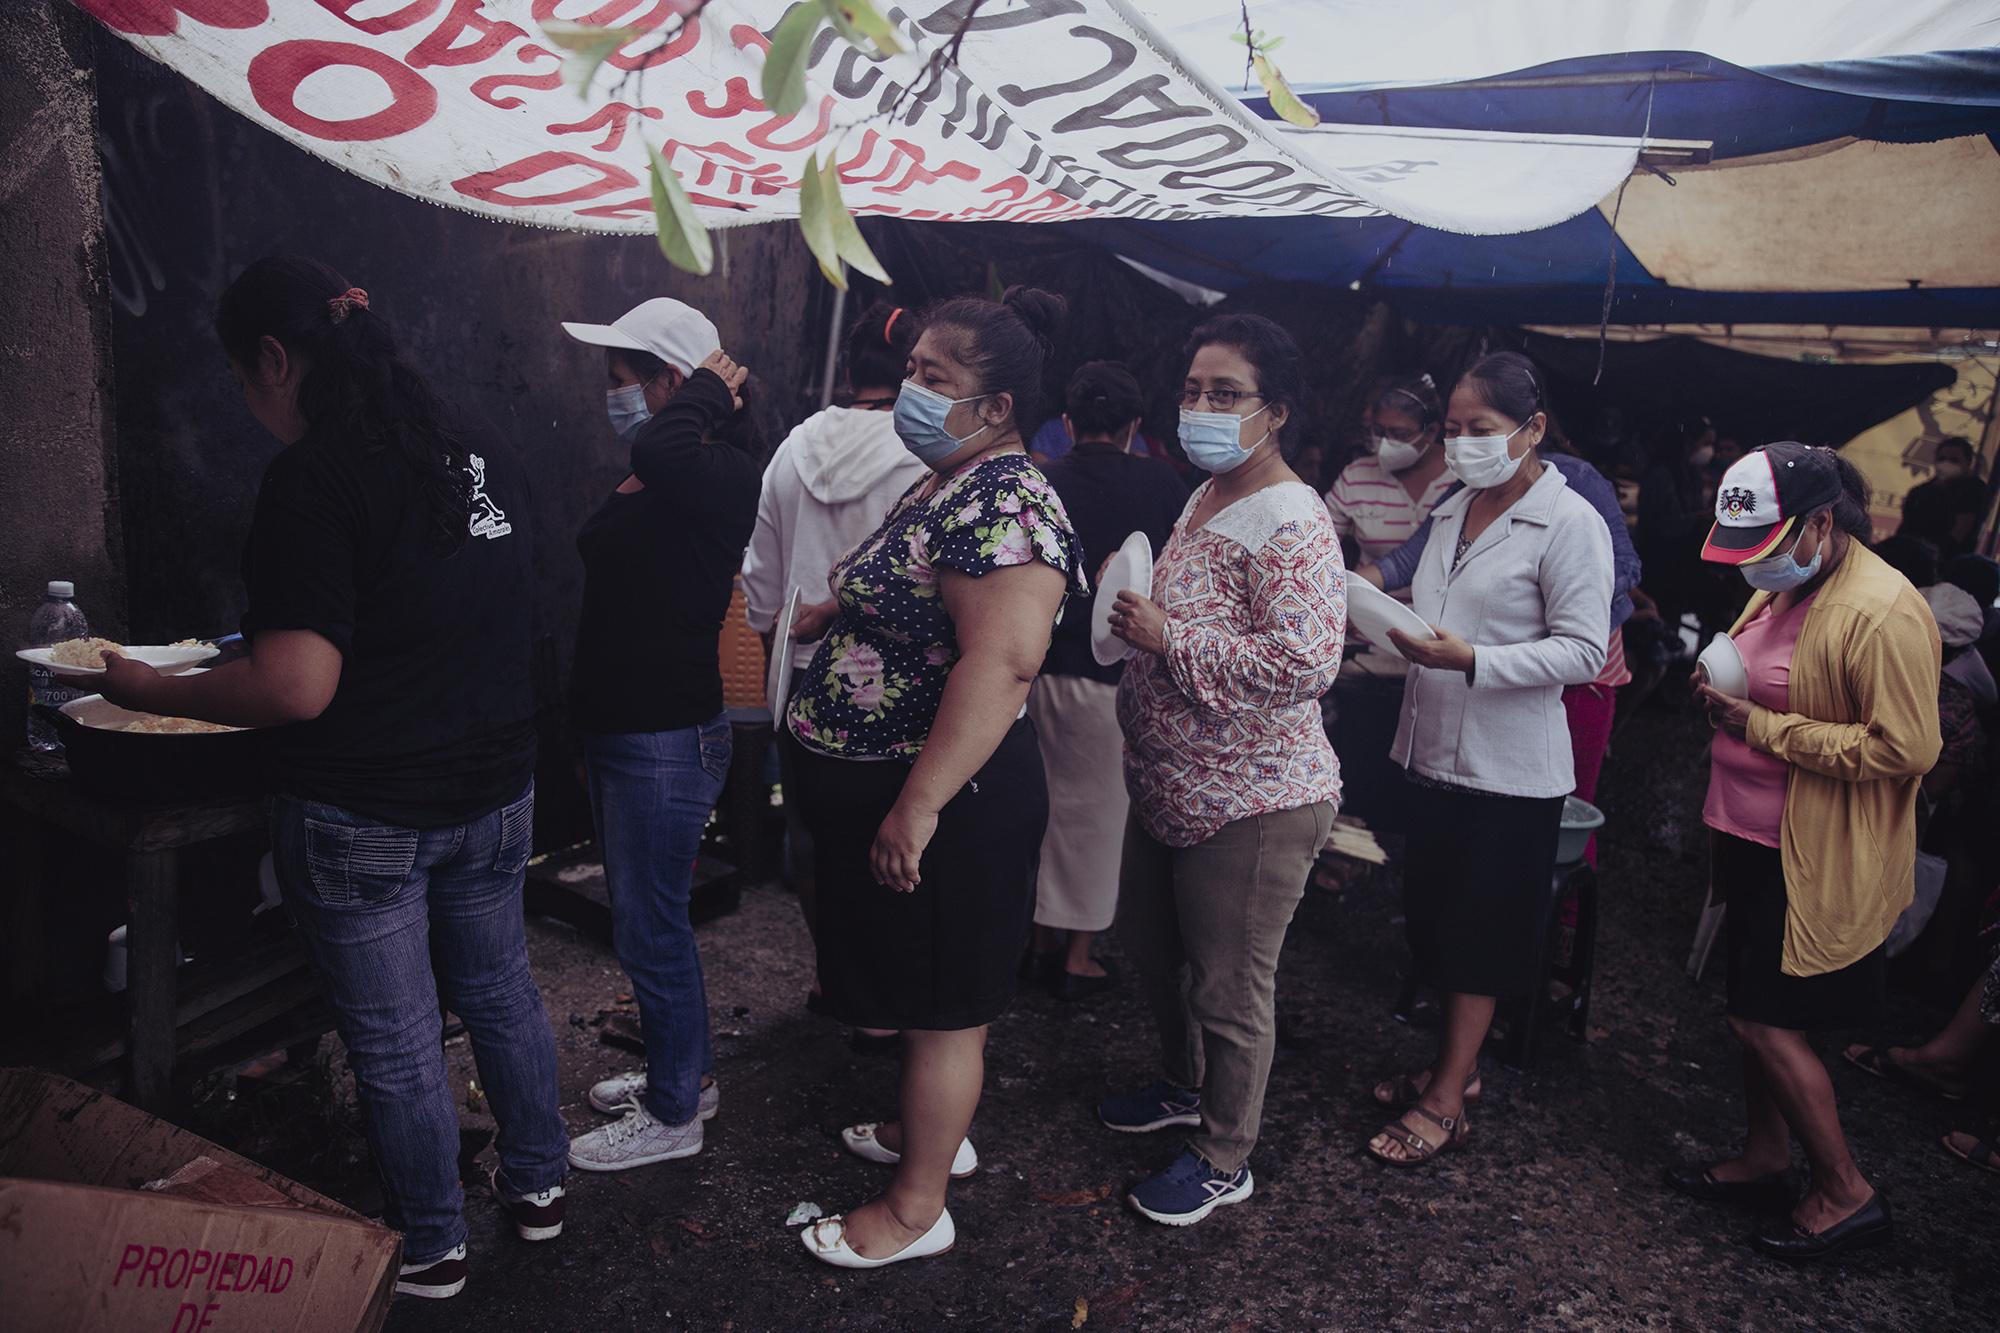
[
  {"x": 659, "y": 567},
  {"x": 1813, "y": 801},
  {"x": 1673, "y": 511},
  {"x": 1517, "y": 583},
  {"x": 1382, "y": 497},
  {"x": 1109, "y": 494},
  {"x": 1234, "y": 785},
  {"x": 919, "y": 774},
  {"x": 826, "y": 488},
  {"x": 1917, "y": 548},
  {"x": 1954, "y": 500},
  {"x": 1980, "y": 577},
  {"x": 1592, "y": 708},
  {"x": 389, "y": 636}
]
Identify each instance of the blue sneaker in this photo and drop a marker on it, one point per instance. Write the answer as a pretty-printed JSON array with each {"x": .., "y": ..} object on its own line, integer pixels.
[
  {"x": 1189, "y": 1190},
  {"x": 1155, "y": 1107}
]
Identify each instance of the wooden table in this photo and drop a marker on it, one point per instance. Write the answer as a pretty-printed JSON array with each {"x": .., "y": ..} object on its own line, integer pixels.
[{"x": 38, "y": 787}]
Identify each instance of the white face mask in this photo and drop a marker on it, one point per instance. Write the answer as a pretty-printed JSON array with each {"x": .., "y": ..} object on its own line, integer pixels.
[
  {"x": 1398, "y": 455},
  {"x": 1703, "y": 456},
  {"x": 627, "y": 409},
  {"x": 1483, "y": 461}
]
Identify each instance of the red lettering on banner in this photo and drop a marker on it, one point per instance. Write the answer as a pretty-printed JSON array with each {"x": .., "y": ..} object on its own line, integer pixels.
[
  {"x": 127, "y": 1262},
  {"x": 736, "y": 99},
  {"x": 901, "y": 151},
  {"x": 683, "y": 41},
  {"x": 162, "y": 18},
  {"x": 186, "y": 1261},
  {"x": 625, "y": 212},
  {"x": 765, "y": 135},
  {"x": 615, "y": 118},
  {"x": 490, "y": 186},
  {"x": 277, "y": 71},
  {"x": 407, "y": 17},
  {"x": 155, "y": 1256},
  {"x": 282, "y": 1276},
  {"x": 491, "y": 36},
  {"x": 484, "y": 89}
]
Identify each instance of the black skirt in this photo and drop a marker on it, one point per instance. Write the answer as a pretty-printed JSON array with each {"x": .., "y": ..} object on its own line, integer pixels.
[
  {"x": 1750, "y": 882},
  {"x": 946, "y": 955},
  {"x": 1477, "y": 876}
]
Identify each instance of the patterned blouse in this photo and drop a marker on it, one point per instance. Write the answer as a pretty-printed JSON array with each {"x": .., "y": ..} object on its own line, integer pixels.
[
  {"x": 876, "y": 681},
  {"x": 1226, "y": 724}
]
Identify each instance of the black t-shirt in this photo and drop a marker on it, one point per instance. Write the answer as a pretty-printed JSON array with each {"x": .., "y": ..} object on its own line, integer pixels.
[
  {"x": 659, "y": 565},
  {"x": 1109, "y": 495},
  {"x": 433, "y": 721}
]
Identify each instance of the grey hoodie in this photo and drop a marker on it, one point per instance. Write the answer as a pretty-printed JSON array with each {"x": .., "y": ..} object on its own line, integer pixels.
[{"x": 827, "y": 488}]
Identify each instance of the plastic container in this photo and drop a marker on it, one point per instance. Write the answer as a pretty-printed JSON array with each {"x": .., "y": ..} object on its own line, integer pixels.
[
  {"x": 1580, "y": 820},
  {"x": 57, "y": 620}
]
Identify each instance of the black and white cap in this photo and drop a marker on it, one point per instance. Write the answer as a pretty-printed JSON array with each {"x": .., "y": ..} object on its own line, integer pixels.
[{"x": 1763, "y": 496}]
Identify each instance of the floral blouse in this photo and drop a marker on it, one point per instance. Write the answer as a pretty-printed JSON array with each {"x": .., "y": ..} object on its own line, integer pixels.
[
  {"x": 1225, "y": 725},
  {"x": 877, "y": 679}
]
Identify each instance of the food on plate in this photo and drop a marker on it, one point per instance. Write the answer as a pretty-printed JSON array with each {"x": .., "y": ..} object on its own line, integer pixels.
[
  {"x": 83, "y": 652},
  {"x": 148, "y": 724}
]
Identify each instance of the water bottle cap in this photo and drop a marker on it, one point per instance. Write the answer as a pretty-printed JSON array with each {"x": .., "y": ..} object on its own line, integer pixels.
[{"x": 61, "y": 588}]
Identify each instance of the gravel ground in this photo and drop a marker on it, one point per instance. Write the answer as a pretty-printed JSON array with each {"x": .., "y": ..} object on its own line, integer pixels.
[{"x": 1552, "y": 1218}]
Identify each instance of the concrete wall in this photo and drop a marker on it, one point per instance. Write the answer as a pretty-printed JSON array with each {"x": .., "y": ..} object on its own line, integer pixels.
[{"x": 58, "y": 477}]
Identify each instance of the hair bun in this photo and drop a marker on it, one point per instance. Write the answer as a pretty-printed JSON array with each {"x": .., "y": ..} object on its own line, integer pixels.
[{"x": 1044, "y": 313}]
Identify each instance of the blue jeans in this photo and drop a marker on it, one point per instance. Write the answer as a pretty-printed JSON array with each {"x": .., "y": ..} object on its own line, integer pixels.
[
  {"x": 651, "y": 793},
  {"x": 396, "y": 920}
]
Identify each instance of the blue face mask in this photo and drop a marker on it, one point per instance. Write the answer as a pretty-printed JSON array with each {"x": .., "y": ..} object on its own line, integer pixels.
[
  {"x": 1781, "y": 573},
  {"x": 1214, "y": 440},
  {"x": 920, "y": 418},
  {"x": 627, "y": 410}
]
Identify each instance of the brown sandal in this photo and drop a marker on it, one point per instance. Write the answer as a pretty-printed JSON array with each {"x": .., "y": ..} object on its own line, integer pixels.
[
  {"x": 1982, "y": 1154},
  {"x": 1404, "y": 1092},
  {"x": 1421, "y": 1151}
]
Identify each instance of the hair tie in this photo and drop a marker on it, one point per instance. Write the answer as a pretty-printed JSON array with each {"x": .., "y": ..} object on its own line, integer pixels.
[
  {"x": 890, "y": 324},
  {"x": 350, "y": 300}
]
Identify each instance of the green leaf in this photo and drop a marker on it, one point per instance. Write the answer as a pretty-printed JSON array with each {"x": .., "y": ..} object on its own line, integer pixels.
[
  {"x": 1283, "y": 100},
  {"x": 784, "y": 90},
  {"x": 847, "y": 239},
  {"x": 588, "y": 49},
  {"x": 858, "y": 19},
  {"x": 1239, "y": 39},
  {"x": 816, "y": 222},
  {"x": 683, "y": 238}
]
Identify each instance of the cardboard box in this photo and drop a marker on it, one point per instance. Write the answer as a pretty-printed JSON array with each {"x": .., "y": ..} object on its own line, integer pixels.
[{"x": 84, "y": 1246}]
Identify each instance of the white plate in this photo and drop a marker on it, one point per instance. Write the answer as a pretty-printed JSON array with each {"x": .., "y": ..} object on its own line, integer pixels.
[
  {"x": 1372, "y": 613},
  {"x": 778, "y": 670},
  {"x": 167, "y": 660},
  {"x": 1131, "y": 568}
]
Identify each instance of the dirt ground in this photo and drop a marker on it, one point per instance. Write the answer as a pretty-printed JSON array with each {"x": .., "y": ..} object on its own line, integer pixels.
[{"x": 1552, "y": 1219}]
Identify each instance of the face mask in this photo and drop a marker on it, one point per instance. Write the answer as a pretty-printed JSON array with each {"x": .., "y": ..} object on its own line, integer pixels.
[
  {"x": 627, "y": 410},
  {"x": 920, "y": 418},
  {"x": 1781, "y": 573},
  {"x": 1948, "y": 471},
  {"x": 1482, "y": 461},
  {"x": 1214, "y": 440},
  {"x": 1703, "y": 456},
  {"x": 1398, "y": 455}
]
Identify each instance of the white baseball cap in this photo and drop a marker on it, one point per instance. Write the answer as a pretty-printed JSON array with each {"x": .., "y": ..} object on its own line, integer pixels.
[{"x": 672, "y": 330}]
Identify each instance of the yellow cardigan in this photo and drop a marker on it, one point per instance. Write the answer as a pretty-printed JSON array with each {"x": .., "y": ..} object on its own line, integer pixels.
[{"x": 1864, "y": 731}]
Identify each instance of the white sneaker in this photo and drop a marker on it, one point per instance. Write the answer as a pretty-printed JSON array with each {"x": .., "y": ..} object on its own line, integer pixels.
[
  {"x": 537, "y": 1216},
  {"x": 861, "y": 1141},
  {"x": 611, "y": 1095},
  {"x": 635, "y": 1139}
]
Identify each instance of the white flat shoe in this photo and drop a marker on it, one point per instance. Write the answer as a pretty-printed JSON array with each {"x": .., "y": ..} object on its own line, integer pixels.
[
  {"x": 826, "y": 1241},
  {"x": 861, "y": 1141}
]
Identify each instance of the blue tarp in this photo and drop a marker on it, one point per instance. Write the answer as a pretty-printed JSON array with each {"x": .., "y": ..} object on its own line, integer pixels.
[{"x": 1558, "y": 275}]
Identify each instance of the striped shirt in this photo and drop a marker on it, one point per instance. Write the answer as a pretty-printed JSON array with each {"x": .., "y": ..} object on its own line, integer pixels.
[{"x": 1372, "y": 508}]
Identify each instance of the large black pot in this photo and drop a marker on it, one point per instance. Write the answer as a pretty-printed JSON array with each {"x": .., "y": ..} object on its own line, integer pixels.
[{"x": 154, "y": 768}]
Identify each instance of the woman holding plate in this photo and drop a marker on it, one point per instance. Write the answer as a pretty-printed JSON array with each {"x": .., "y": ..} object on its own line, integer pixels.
[
  {"x": 1516, "y": 582},
  {"x": 1233, "y": 782}
]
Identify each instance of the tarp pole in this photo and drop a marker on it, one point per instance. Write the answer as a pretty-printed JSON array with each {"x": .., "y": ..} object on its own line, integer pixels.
[{"x": 833, "y": 328}]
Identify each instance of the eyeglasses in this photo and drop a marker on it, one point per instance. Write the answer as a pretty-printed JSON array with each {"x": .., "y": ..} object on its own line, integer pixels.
[{"x": 1222, "y": 400}]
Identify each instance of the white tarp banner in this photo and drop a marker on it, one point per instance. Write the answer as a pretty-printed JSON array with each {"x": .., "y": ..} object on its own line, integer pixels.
[{"x": 1056, "y": 110}]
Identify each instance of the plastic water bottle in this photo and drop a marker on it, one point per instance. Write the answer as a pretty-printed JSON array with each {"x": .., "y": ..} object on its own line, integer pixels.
[{"x": 57, "y": 620}]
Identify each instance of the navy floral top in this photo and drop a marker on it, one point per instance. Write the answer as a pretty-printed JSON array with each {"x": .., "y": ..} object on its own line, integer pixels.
[{"x": 876, "y": 681}]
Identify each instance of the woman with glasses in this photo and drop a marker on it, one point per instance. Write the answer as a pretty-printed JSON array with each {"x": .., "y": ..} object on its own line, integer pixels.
[{"x": 1233, "y": 782}]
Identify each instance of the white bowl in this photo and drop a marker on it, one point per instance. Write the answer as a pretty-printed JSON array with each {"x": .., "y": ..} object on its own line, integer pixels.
[{"x": 1723, "y": 665}]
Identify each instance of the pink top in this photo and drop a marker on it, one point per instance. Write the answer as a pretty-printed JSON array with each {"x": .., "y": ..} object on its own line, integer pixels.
[
  {"x": 1746, "y": 787},
  {"x": 1225, "y": 725}
]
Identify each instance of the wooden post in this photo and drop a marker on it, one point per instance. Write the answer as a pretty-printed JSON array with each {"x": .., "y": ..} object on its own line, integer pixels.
[{"x": 152, "y": 943}]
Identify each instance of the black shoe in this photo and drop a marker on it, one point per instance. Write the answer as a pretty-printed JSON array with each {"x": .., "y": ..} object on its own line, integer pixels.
[
  {"x": 1038, "y": 966},
  {"x": 1771, "y": 1194},
  {"x": 1067, "y": 985},
  {"x": 1791, "y": 1242}
]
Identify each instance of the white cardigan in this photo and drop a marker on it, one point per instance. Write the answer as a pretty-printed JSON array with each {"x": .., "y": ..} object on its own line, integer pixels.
[{"x": 1533, "y": 597}]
